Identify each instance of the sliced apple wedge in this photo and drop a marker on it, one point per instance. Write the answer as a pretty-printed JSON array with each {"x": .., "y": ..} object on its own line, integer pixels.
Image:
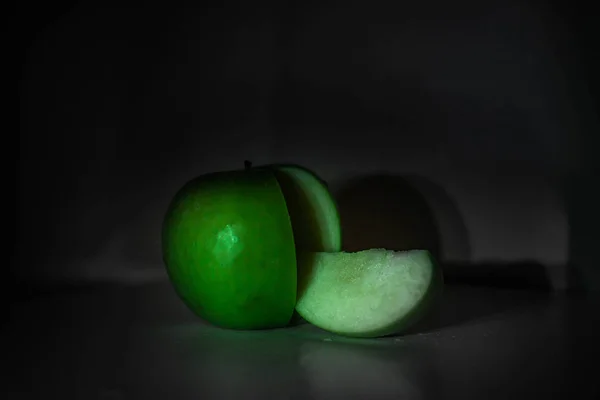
[
  {"x": 369, "y": 293},
  {"x": 312, "y": 209}
]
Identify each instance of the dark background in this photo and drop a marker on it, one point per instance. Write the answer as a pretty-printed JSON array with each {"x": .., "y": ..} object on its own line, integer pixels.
[
  {"x": 469, "y": 128},
  {"x": 466, "y": 127}
]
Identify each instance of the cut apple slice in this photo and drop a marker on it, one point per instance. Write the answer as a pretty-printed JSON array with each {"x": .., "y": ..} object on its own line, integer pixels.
[
  {"x": 312, "y": 209},
  {"x": 369, "y": 293}
]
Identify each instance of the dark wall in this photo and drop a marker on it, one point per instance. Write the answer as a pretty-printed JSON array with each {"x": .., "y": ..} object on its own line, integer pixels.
[{"x": 476, "y": 116}]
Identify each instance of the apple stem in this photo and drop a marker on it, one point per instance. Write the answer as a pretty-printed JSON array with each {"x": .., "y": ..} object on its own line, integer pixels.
[{"x": 247, "y": 164}]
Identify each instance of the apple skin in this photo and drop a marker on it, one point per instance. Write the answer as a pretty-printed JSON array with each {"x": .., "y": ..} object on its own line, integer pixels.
[{"x": 228, "y": 247}]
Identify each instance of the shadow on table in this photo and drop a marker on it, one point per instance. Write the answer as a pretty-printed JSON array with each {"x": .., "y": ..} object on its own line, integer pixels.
[{"x": 479, "y": 292}]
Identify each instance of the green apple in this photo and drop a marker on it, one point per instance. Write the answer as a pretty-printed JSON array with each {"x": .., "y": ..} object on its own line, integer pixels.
[
  {"x": 369, "y": 293},
  {"x": 229, "y": 242}
]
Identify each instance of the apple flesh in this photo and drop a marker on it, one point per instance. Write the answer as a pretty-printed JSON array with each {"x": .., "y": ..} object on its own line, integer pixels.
[
  {"x": 229, "y": 242},
  {"x": 369, "y": 293}
]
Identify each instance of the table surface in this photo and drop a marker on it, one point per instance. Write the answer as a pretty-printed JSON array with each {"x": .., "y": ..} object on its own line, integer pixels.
[{"x": 140, "y": 342}]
